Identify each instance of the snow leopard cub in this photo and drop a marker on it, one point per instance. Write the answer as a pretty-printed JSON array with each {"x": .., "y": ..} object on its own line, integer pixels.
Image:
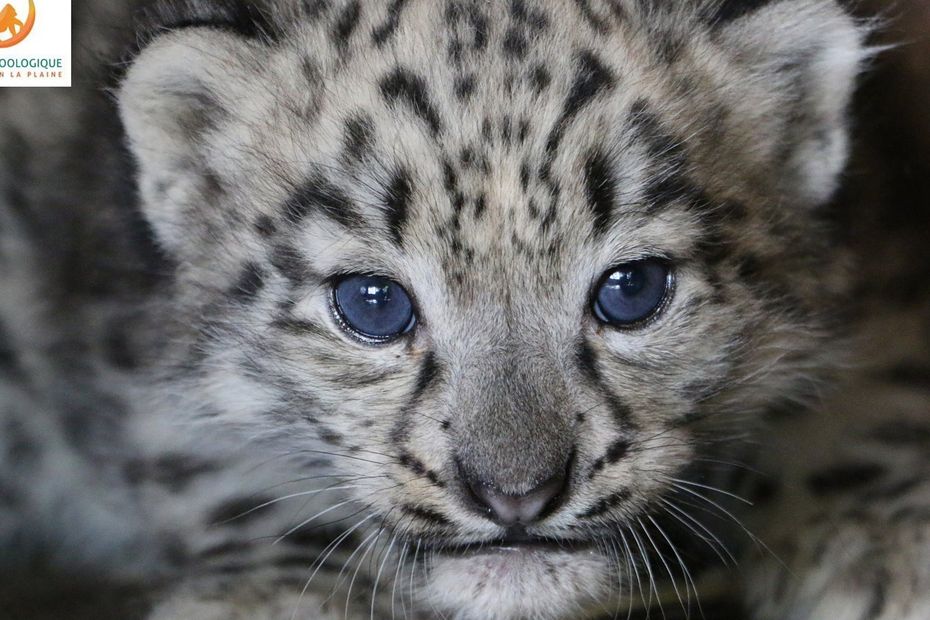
[{"x": 460, "y": 308}]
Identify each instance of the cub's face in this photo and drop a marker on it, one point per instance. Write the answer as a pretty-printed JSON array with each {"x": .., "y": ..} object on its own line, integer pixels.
[{"x": 516, "y": 269}]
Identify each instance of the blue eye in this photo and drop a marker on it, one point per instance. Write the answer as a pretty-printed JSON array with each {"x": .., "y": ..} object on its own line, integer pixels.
[
  {"x": 633, "y": 292},
  {"x": 373, "y": 307}
]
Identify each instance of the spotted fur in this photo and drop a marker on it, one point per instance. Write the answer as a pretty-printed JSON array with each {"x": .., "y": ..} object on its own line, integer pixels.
[{"x": 238, "y": 447}]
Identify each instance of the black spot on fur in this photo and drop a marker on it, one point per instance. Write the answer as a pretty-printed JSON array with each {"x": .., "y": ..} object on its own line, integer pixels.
[
  {"x": 728, "y": 10},
  {"x": 346, "y": 23},
  {"x": 425, "y": 514},
  {"x": 600, "y": 188},
  {"x": 523, "y": 130},
  {"x": 289, "y": 262},
  {"x": 616, "y": 451},
  {"x": 397, "y": 203},
  {"x": 464, "y": 87},
  {"x": 315, "y": 9},
  {"x": 844, "y": 477},
  {"x": 331, "y": 437},
  {"x": 242, "y": 17},
  {"x": 604, "y": 505},
  {"x": 525, "y": 176},
  {"x": 386, "y": 30},
  {"x": 480, "y": 206},
  {"x": 319, "y": 195},
  {"x": 250, "y": 281},
  {"x": 404, "y": 87},
  {"x": 660, "y": 145},
  {"x": 540, "y": 78},
  {"x": 515, "y": 44},
  {"x": 358, "y": 136},
  {"x": 479, "y": 23},
  {"x": 412, "y": 463},
  {"x": 526, "y": 14}
]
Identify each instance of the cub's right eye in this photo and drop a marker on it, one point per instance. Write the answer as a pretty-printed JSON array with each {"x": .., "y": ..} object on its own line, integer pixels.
[{"x": 374, "y": 309}]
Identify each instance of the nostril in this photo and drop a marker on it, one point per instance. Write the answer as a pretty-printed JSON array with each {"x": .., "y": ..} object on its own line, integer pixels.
[{"x": 523, "y": 509}]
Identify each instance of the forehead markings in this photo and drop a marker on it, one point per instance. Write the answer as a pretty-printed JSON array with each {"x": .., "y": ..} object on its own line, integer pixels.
[
  {"x": 600, "y": 188},
  {"x": 319, "y": 195},
  {"x": 592, "y": 78},
  {"x": 396, "y": 203},
  {"x": 403, "y": 87}
]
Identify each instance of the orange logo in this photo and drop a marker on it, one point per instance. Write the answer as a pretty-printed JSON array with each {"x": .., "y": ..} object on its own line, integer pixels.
[{"x": 10, "y": 23}]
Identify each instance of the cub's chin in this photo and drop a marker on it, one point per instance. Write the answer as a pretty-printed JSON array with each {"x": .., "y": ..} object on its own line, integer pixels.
[{"x": 517, "y": 582}]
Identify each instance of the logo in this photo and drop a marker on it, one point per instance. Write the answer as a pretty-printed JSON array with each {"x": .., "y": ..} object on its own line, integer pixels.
[
  {"x": 35, "y": 53},
  {"x": 12, "y": 30}
]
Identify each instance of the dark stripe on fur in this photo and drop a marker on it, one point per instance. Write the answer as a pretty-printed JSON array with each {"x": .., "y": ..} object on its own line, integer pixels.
[
  {"x": 396, "y": 202},
  {"x": 600, "y": 187},
  {"x": 404, "y": 87},
  {"x": 425, "y": 514},
  {"x": 591, "y": 79},
  {"x": 318, "y": 194},
  {"x": 429, "y": 372},
  {"x": 605, "y": 504},
  {"x": 358, "y": 137},
  {"x": 587, "y": 361}
]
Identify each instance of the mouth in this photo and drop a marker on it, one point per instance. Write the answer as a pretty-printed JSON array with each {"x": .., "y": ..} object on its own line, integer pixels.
[
  {"x": 516, "y": 542},
  {"x": 517, "y": 576}
]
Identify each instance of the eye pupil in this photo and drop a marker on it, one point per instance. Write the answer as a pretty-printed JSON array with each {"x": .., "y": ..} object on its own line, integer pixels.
[
  {"x": 632, "y": 293},
  {"x": 372, "y": 307}
]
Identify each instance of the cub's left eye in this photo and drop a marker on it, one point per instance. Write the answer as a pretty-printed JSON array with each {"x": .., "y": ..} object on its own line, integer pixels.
[
  {"x": 633, "y": 292},
  {"x": 373, "y": 307}
]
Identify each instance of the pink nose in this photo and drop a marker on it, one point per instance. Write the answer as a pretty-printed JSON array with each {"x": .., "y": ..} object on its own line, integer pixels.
[{"x": 509, "y": 510}]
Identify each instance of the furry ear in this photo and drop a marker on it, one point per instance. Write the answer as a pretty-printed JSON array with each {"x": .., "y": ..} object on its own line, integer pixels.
[
  {"x": 806, "y": 54},
  {"x": 178, "y": 91}
]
